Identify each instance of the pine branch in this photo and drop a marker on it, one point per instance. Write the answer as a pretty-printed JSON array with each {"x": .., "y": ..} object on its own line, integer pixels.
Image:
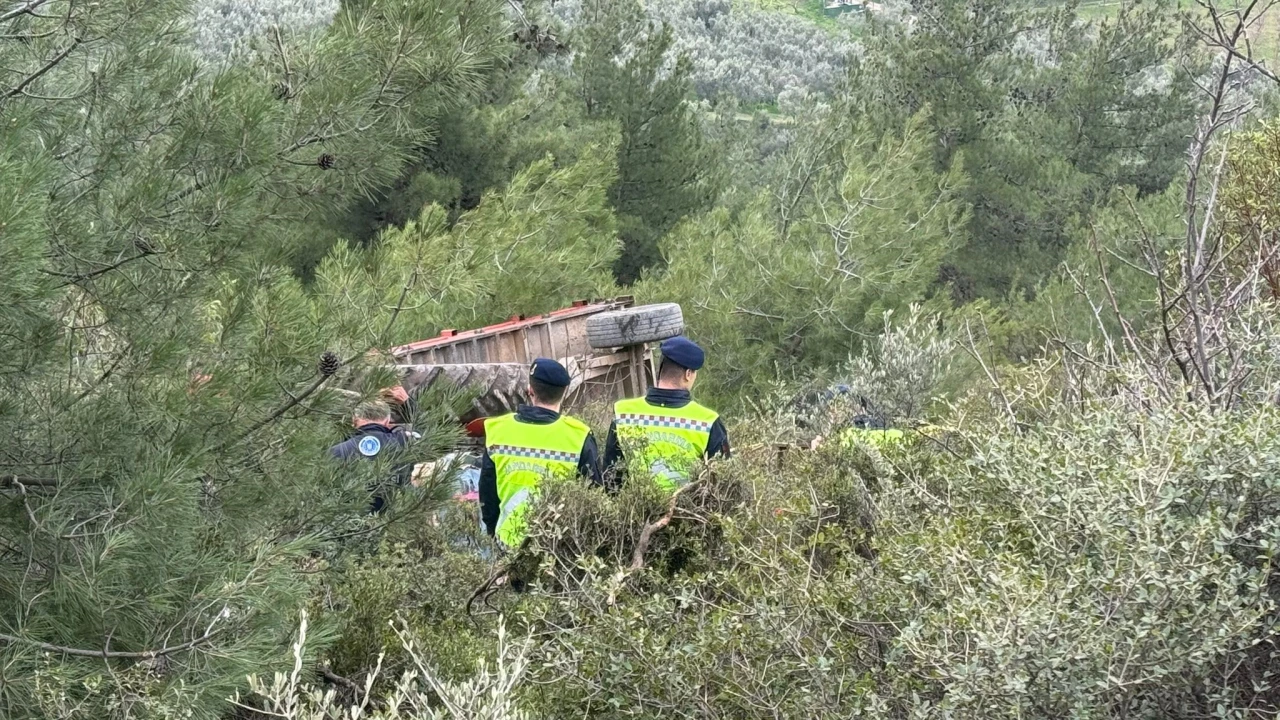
[
  {"x": 31, "y": 513},
  {"x": 109, "y": 654},
  {"x": 23, "y": 9},
  {"x": 81, "y": 277},
  {"x": 32, "y": 481},
  {"x": 53, "y": 62},
  {"x": 280, "y": 411}
]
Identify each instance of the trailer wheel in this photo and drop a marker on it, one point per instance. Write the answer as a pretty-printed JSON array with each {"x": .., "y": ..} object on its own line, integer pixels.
[
  {"x": 634, "y": 326},
  {"x": 501, "y": 386}
]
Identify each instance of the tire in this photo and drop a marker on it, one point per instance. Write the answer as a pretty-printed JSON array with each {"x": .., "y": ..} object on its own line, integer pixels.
[
  {"x": 501, "y": 386},
  {"x": 634, "y": 326}
]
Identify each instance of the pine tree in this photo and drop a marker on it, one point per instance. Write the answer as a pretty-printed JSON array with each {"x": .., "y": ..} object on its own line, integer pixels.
[
  {"x": 793, "y": 289},
  {"x": 163, "y": 404},
  {"x": 1050, "y": 111},
  {"x": 666, "y": 169}
]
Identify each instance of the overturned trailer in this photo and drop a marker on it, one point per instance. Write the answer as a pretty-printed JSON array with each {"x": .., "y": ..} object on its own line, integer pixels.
[{"x": 604, "y": 344}]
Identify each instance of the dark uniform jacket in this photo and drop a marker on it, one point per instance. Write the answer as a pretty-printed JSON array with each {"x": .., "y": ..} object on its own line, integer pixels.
[
  {"x": 491, "y": 504},
  {"x": 717, "y": 444},
  {"x": 369, "y": 443}
]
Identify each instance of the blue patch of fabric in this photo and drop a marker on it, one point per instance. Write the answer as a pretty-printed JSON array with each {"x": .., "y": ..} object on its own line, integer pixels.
[{"x": 369, "y": 446}]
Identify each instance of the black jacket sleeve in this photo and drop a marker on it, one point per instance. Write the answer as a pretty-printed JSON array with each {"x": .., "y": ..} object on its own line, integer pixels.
[
  {"x": 589, "y": 460},
  {"x": 613, "y": 464},
  {"x": 490, "y": 504},
  {"x": 718, "y": 443}
]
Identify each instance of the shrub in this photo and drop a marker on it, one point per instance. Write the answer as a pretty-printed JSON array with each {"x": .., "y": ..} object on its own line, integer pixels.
[
  {"x": 421, "y": 693},
  {"x": 223, "y": 28},
  {"x": 752, "y": 54},
  {"x": 420, "y": 576}
]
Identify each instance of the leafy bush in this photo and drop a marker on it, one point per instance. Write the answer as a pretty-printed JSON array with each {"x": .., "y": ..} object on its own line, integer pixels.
[
  {"x": 224, "y": 28},
  {"x": 755, "y": 55},
  {"x": 419, "y": 694},
  {"x": 418, "y": 579},
  {"x": 1097, "y": 563}
]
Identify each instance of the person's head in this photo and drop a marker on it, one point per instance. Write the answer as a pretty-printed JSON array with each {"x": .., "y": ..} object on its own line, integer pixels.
[
  {"x": 681, "y": 361},
  {"x": 372, "y": 412},
  {"x": 548, "y": 382}
]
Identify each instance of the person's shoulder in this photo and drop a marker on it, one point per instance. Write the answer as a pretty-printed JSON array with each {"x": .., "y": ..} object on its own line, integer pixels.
[
  {"x": 631, "y": 403},
  {"x": 344, "y": 449},
  {"x": 575, "y": 423},
  {"x": 703, "y": 409},
  {"x": 498, "y": 420},
  {"x": 370, "y": 444}
]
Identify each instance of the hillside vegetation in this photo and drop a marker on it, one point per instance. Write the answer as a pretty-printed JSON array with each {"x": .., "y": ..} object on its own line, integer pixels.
[{"x": 1039, "y": 239}]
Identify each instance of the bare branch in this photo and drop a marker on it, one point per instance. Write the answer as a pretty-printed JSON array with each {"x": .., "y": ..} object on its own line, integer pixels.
[
  {"x": 53, "y": 62},
  {"x": 279, "y": 412},
  {"x": 107, "y": 654},
  {"x": 23, "y": 9},
  {"x": 647, "y": 533}
]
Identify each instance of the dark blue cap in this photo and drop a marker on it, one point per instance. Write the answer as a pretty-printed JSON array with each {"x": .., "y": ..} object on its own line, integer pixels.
[
  {"x": 683, "y": 352},
  {"x": 549, "y": 372}
]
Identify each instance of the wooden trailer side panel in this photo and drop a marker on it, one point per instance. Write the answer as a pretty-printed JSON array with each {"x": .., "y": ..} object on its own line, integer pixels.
[{"x": 562, "y": 335}]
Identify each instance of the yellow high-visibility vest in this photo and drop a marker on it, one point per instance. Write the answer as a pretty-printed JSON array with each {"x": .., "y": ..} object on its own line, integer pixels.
[
  {"x": 668, "y": 440},
  {"x": 524, "y": 454},
  {"x": 877, "y": 437}
]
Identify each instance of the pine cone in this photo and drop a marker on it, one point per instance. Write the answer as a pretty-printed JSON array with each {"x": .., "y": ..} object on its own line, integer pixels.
[
  {"x": 326, "y": 161},
  {"x": 157, "y": 667},
  {"x": 282, "y": 90},
  {"x": 329, "y": 363}
]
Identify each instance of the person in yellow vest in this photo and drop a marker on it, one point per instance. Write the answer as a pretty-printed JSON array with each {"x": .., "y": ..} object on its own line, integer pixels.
[
  {"x": 871, "y": 429},
  {"x": 865, "y": 425},
  {"x": 525, "y": 447},
  {"x": 666, "y": 426}
]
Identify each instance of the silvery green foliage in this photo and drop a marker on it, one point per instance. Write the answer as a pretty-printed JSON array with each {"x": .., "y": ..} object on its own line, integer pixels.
[
  {"x": 754, "y": 55},
  {"x": 222, "y": 28},
  {"x": 1105, "y": 564},
  {"x": 420, "y": 693},
  {"x": 902, "y": 371}
]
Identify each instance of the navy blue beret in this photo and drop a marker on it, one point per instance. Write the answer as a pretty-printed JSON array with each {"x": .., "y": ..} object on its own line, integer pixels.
[
  {"x": 549, "y": 372},
  {"x": 683, "y": 352}
]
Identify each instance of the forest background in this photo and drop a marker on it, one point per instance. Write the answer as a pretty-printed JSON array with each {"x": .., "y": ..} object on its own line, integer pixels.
[{"x": 1045, "y": 229}]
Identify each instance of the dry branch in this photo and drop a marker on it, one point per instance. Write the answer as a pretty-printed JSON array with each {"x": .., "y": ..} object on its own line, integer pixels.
[
  {"x": 22, "y": 9},
  {"x": 647, "y": 533},
  {"x": 106, "y": 653},
  {"x": 51, "y": 64}
]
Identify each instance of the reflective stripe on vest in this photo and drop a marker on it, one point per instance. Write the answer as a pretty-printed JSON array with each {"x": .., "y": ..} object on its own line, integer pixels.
[
  {"x": 672, "y": 440},
  {"x": 523, "y": 454}
]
